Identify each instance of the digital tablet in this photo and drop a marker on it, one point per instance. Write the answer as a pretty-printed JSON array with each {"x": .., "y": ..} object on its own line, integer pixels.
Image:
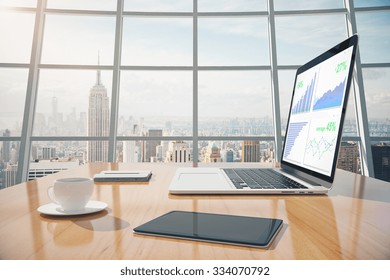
[{"x": 218, "y": 228}]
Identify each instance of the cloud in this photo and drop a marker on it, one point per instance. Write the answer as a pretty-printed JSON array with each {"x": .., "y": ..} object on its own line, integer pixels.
[
  {"x": 234, "y": 93},
  {"x": 154, "y": 42},
  {"x": 231, "y": 5},
  {"x": 378, "y": 99},
  {"x": 77, "y": 40},
  {"x": 300, "y": 38},
  {"x": 155, "y": 93},
  {"x": 247, "y": 27},
  {"x": 16, "y": 37},
  {"x": 159, "y": 6},
  {"x": 83, "y": 5},
  {"x": 373, "y": 74}
]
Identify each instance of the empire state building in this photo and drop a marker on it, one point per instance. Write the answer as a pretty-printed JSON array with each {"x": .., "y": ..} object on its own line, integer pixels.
[{"x": 98, "y": 120}]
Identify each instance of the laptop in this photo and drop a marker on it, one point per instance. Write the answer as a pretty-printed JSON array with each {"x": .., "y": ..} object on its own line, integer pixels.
[{"x": 311, "y": 145}]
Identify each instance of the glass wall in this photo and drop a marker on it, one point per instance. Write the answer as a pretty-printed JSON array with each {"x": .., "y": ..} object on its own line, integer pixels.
[
  {"x": 187, "y": 81},
  {"x": 373, "y": 25}
]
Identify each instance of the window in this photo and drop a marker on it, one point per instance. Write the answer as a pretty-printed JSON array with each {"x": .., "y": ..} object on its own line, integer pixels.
[
  {"x": 234, "y": 103},
  {"x": 64, "y": 101},
  {"x": 100, "y": 5},
  {"x": 377, "y": 84},
  {"x": 12, "y": 94},
  {"x": 375, "y": 36},
  {"x": 158, "y": 6},
  {"x": 142, "y": 82},
  {"x": 78, "y": 40},
  {"x": 155, "y": 100},
  {"x": 19, "y": 35},
  {"x": 307, "y": 5},
  {"x": 157, "y": 41},
  {"x": 299, "y": 39},
  {"x": 233, "y": 41},
  {"x": 18, "y": 3},
  {"x": 232, "y": 5}
]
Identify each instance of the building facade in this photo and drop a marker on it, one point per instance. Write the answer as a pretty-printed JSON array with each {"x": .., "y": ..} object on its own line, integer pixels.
[
  {"x": 9, "y": 175},
  {"x": 213, "y": 154},
  {"x": 178, "y": 151},
  {"x": 250, "y": 151},
  {"x": 349, "y": 158},
  {"x": 381, "y": 156},
  {"x": 149, "y": 147},
  {"x": 98, "y": 121}
]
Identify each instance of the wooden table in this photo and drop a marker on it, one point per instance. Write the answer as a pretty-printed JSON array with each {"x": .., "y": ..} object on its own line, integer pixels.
[{"x": 351, "y": 222}]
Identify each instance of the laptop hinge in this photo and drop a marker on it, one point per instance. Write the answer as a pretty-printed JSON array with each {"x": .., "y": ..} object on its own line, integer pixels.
[{"x": 291, "y": 172}]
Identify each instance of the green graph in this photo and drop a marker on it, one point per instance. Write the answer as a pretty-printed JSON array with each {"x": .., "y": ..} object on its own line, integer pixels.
[
  {"x": 317, "y": 148},
  {"x": 324, "y": 143}
]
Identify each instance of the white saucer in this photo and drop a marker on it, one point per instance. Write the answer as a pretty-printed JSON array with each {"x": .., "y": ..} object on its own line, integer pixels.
[{"x": 55, "y": 209}]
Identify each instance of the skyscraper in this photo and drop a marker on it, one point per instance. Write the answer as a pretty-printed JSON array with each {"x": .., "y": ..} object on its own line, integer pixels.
[
  {"x": 178, "y": 151},
  {"x": 5, "y": 151},
  {"x": 98, "y": 120},
  {"x": 9, "y": 175},
  {"x": 381, "y": 156},
  {"x": 150, "y": 146},
  {"x": 250, "y": 151},
  {"x": 48, "y": 152},
  {"x": 54, "y": 109},
  {"x": 132, "y": 149},
  {"x": 349, "y": 158}
]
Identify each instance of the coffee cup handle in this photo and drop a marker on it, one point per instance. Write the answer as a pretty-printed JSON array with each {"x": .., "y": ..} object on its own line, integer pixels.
[{"x": 50, "y": 194}]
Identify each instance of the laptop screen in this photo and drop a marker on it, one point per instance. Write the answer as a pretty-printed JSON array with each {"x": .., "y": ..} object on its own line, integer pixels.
[{"x": 317, "y": 111}]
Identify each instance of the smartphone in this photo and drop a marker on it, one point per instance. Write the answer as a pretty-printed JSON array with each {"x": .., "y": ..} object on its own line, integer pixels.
[{"x": 218, "y": 228}]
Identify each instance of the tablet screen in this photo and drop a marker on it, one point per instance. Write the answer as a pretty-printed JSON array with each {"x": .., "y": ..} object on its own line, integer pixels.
[{"x": 242, "y": 230}]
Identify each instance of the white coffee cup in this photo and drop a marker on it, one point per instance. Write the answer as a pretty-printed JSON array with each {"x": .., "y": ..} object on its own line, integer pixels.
[{"x": 71, "y": 194}]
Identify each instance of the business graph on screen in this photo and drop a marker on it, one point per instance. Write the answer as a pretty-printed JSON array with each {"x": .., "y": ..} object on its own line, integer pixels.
[
  {"x": 321, "y": 143},
  {"x": 331, "y": 98},
  {"x": 304, "y": 102},
  {"x": 316, "y": 114}
]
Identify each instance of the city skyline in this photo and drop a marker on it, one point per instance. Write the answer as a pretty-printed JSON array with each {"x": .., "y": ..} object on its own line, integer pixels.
[
  {"x": 160, "y": 58},
  {"x": 59, "y": 155},
  {"x": 155, "y": 122},
  {"x": 168, "y": 41}
]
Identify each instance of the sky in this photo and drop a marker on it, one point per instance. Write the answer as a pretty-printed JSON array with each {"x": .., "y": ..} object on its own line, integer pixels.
[{"x": 168, "y": 42}]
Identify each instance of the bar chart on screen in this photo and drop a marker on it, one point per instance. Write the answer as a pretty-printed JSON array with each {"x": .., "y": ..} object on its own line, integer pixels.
[
  {"x": 304, "y": 103},
  {"x": 297, "y": 133}
]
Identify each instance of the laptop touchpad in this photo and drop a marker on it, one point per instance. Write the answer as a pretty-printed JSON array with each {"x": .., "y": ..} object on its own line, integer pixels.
[{"x": 202, "y": 180}]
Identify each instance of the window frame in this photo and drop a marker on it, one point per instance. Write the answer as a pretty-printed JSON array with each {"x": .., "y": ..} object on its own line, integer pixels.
[{"x": 26, "y": 139}]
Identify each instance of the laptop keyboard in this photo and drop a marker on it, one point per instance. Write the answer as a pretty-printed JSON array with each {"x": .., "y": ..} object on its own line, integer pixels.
[{"x": 260, "y": 179}]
